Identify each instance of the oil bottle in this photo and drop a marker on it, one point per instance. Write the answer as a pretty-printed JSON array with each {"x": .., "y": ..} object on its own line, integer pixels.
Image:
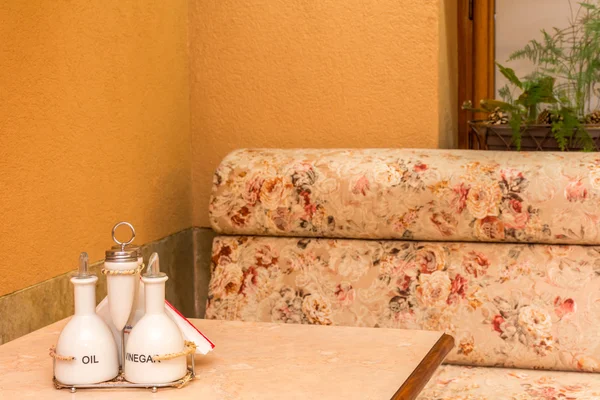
[{"x": 86, "y": 338}]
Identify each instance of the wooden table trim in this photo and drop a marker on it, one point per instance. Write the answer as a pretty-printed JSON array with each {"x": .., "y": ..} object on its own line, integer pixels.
[{"x": 415, "y": 383}]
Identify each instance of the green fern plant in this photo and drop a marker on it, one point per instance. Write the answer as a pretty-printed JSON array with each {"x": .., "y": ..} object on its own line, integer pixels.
[
  {"x": 567, "y": 65},
  {"x": 523, "y": 110},
  {"x": 571, "y": 54}
]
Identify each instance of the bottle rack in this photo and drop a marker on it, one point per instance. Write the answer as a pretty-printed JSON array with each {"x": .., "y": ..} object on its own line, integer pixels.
[{"x": 126, "y": 261}]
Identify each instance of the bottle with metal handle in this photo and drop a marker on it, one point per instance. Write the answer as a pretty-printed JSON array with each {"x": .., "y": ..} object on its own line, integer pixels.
[
  {"x": 86, "y": 351},
  {"x": 121, "y": 267},
  {"x": 137, "y": 310}
]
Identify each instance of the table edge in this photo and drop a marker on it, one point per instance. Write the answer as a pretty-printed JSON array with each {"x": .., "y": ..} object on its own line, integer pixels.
[{"x": 417, "y": 380}]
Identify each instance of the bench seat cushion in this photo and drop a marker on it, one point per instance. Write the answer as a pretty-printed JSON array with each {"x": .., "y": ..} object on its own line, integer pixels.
[
  {"x": 450, "y": 195},
  {"x": 480, "y": 383},
  {"x": 511, "y": 305}
]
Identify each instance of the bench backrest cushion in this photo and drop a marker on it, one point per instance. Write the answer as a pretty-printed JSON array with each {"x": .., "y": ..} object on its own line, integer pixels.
[
  {"x": 513, "y": 305},
  {"x": 449, "y": 195}
]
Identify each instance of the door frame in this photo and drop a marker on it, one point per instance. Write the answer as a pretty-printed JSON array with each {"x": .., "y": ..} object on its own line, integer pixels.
[{"x": 476, "y": 56}]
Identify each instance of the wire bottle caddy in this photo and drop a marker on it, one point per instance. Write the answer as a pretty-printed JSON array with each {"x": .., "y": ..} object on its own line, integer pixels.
[
  {"x": 94, "y": 353},
  {"x": 120, "y": 382}
]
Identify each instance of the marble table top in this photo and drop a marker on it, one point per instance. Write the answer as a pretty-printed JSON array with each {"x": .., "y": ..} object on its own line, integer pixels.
[{"x": 250, "y": 361}]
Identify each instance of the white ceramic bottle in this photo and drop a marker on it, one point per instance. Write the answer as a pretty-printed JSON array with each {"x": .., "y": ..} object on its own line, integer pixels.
[
  {"x": 137, "y": 311},
  {"x": 154, "y": 334},
  {"x": 121, "y": 288},
  {"x": 86, "y": 337}
]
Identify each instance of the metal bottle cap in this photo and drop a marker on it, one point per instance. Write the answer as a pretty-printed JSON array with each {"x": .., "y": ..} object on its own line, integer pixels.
[
  {"x": 122, "y": 252},
  {"x": 129, "y": 247}
]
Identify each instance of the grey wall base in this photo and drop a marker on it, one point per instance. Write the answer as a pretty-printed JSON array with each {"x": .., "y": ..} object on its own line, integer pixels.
[{"x": 184, "y": 257}]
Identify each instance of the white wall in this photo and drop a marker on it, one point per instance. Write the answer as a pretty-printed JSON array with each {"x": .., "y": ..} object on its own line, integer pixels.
[{"x": 519, "y": 21}]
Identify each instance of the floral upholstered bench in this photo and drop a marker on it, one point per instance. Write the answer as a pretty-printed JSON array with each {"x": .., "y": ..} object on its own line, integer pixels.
[{"x": 499, "y": 249}]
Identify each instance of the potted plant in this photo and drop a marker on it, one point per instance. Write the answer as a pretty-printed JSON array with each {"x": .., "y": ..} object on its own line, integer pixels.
[{"x": 550, "y": 109}]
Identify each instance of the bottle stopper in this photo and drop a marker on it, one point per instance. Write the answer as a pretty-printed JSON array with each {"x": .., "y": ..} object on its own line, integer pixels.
[
  {"x": 153, "y": 270},
  {"x": 83, "y": 271}
]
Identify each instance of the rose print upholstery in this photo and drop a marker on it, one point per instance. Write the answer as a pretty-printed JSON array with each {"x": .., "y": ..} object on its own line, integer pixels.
[
  {"x": 499, "y": 250},
  {"x": 511, "y": 305},
  {"x": 467, "y": 383},
  {"x": 450, "y": 195}
]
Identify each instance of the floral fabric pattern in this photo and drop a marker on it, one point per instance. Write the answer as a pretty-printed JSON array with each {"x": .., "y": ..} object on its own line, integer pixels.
[
  {"x": 467, "y": 383},
  {"x": 450, "y": 195},
  {"x": 511, "y": 305}
]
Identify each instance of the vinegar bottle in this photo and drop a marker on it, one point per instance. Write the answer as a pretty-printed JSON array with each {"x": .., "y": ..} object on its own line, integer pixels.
[
  {"x": 154, "y": 334},
  {"x": 86, "y": 337}
]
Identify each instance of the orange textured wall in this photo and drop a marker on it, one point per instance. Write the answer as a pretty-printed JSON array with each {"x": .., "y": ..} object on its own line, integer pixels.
[
  {"x": 94, "y": 128},
  {"x": 326, "y": 73}
]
